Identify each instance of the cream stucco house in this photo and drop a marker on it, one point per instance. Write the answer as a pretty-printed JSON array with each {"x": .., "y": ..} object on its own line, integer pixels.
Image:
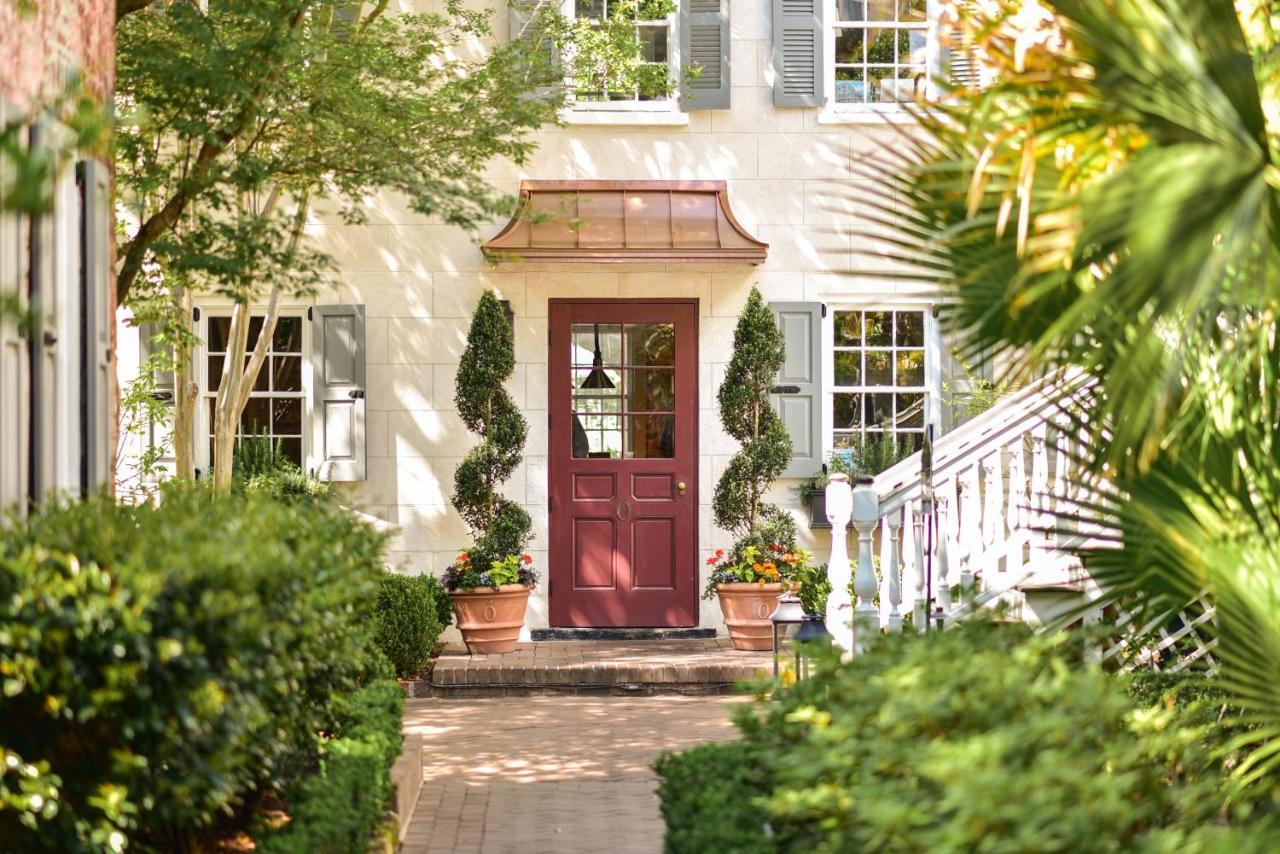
[{"x": 681, "y": 206}]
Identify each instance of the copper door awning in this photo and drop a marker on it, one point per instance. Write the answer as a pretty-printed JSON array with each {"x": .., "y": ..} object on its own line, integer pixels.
[{"x": 620, "y": 221}]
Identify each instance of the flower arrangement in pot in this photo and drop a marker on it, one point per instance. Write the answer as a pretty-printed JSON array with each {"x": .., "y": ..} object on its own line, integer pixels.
[
  {"x": 748, "y": 585},
  {"x": 490, "y": 582},
  {"x": 749, "y": 580}
]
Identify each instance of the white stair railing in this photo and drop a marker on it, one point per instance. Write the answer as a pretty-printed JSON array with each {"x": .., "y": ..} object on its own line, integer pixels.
[{"x": 996, "y": 483}]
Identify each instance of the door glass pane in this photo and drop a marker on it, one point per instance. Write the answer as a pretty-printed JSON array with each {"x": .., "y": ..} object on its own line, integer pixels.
[
  {"x": 597, "y": 436},
  {"x": 583, "y": 343},
  {"x": 651, "y": 436},
  {"x": 651, "y": 344},
  {"x": 651, "y": 391},
  {"x": 589, "y": 382}
]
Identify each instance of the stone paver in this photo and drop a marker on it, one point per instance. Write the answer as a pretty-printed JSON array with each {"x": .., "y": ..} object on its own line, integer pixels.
[
  {"x": 681, "y": 666},
  {"x": 549, "y": 774}
]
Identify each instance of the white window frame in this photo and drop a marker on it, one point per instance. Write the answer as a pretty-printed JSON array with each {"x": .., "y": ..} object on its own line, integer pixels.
[
  {"x": 932, "y": 364},
  {"x": 200, "y": 373},
  {"x": 596, "y": 112},
  {"x": 883, "y": 111}
]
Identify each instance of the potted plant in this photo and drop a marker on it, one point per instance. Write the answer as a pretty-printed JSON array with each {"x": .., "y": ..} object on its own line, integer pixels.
[
  {"x": 869, "y": 455},
  {"x": 753, "y": 571},
  {"x": 748, "y": 585},
  {"x": 490, "y": 582}
]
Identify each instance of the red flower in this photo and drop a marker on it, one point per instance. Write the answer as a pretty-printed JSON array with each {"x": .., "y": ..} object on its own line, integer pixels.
[
  {"x": 711, "y": 561},
  {"x": 528, "y": 559}
]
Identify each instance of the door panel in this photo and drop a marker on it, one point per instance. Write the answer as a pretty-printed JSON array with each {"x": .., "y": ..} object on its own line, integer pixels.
[{"x": 623, "y": 463}]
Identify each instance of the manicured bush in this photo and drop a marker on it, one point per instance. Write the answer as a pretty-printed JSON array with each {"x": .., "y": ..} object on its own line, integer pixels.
[
  {"x": 337, "y": 809},
  {"x": 709, "y": 798},
  {"x": 173, "y": 666},
  {"x": 439, "y": 599},
  {"x": 408, "y": 623},
  {"x": 980, "y": 739}
]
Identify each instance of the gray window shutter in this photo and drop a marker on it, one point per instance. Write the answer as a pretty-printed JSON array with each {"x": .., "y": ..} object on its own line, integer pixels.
[
  {"x": 14, "y": 365},
  {"x": 964, "y": 71},
  {"x": 798, "y": 78},
  {"x": 43, "y": 344},
  {"x": 96, "y": 316},
  {"x": 704, "y": 44},
  {"x": 521, "y": 22},
  {"x": 798, "y": 392},
  {"x": 337, "y": 392}
]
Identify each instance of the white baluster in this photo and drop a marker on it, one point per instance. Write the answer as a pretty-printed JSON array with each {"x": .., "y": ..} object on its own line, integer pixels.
[
  {"x": 893, "y": 569},
  {"x": 1040, "y": 497},
  {"x": 1060, "y": 487},
  {"x": 970, "y": 529},
  {"x": 946, "y": 538},
  {"x": 920, "y": 607},
  {"x": 993, "y": 512},
  {"x": 839, "y": 615},
  {"x": 1016, "y": 503},
  {"x": 866, "y": 515}
]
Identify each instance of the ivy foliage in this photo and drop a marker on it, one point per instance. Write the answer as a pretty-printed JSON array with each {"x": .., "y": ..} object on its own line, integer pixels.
[
  {"x": 748, "y": 417},
  {"x": 499, "y": 526}
]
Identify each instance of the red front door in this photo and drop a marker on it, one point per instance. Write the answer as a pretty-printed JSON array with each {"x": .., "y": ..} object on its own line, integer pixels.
[{"x": 624, "y": 463}]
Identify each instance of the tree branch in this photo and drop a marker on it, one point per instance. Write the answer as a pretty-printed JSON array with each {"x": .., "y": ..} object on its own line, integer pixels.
[{"x": 128, "y": 7}]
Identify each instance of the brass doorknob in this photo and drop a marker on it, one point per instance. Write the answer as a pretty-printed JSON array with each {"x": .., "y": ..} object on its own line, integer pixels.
[{"x": 681, "y": 486}]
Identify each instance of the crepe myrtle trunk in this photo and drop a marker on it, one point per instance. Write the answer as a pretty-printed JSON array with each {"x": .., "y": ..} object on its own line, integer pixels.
[
  {"x": 748, "y": 417},
  {"x": 499, "y": 526}
]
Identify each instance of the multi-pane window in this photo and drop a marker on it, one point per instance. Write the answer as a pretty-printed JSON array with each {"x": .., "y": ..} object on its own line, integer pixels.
[
  {"x": 653, "y": 35},
  {"x": 878, "y": 370},
  {"x": 275, "y": 407},
  {"x": 881, "y": 49},
  {"x": 624, "y": 393}
]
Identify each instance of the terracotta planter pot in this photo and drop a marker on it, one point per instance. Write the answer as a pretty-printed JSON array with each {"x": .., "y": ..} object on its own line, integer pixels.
[
  {"x": 490, "y": 617},
  {"x": 746, "y": 609}
]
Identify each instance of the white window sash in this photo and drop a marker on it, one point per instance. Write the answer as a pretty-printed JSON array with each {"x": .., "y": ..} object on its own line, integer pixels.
[
  {"x": 933, "y": 59},
  {"x": 633, "y": 105}
]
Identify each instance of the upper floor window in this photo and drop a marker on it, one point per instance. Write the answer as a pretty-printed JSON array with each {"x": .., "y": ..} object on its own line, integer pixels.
[
  {"x": 881, "y": 51},
  {"x": 604, "y": 72}
]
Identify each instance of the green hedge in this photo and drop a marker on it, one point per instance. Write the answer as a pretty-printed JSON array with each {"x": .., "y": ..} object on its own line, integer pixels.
[
  {"x": 169, "y": 669},
  {"x": 408, "y": 621},
  {"x": 708, "y": 799},
  {"x": 978, "y": 739}
]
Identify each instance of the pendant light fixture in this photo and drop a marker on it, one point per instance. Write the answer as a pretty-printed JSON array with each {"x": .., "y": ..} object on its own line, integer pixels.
[{"x": 597, "y": 379}]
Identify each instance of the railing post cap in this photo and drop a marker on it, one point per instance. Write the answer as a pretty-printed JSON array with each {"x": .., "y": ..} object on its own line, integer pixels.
[{"x": 864, "y": 480}]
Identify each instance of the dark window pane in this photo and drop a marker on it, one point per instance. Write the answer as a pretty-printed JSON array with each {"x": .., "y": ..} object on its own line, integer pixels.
[
  {"x": 879, "y": 410},
  {"x": 653, "y": 44},
  {"x": 255, "y": 329},
  {"x": 911, "y": 367},
  {"x": 291, "y": 449},
  {"x": 848, "y": 411},
  {"x": 219, "y": 332},
  {"x": 913, "y": 441},
  {"x": 879, "y": 328},
  {"x": 910, "y": 410},
  {"x": 879, "y": 368},
  {"x": 215, "y": 372},
  {"x": 651, "y": 391},
  {"x": 849, "y": 42},
  {"x": 849, "y": 368},
  {"x": 288, "y": 337},
  {"x": 651, "y": 436},
  {"x": 848, "y": 328},
  {"x": 651, "y": 344},
  {"x": 286, "y": 416},
  {"x": 910, "y": 330},
  {"x": 256, "y": 417},
  {"x": 262, "y": 382},
  {"x": 287, "y": 373}
]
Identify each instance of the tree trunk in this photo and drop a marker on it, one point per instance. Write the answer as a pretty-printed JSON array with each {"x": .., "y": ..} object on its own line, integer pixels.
[{"x": 185, "y": 393}]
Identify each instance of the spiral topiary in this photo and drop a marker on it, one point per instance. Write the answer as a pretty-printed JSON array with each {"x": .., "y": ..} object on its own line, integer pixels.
[
  {"x": 748, "y": 417},
  {"x": 499, "y": 527}
]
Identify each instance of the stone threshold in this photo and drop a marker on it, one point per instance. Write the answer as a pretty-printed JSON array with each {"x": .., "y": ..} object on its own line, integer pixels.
[{"x": 620, "y": 634}]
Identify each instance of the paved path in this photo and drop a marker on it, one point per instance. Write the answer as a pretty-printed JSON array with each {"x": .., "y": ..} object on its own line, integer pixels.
[{"x": 550, "y": 774}]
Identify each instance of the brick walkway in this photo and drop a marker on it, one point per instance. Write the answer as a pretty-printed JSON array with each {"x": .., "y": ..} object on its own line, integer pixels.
[
  {"x": 708, "y": 665},
  {"x": 549, "y": 774}
]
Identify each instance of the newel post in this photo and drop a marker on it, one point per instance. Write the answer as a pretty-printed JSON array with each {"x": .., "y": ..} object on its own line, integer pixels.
[
  {"x": 839, "y": 615},
  {"x": 866, "y": 516}
]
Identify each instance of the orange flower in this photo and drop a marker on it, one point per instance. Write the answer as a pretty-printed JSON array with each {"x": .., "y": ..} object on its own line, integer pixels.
[{"x": 528, "y": 559}]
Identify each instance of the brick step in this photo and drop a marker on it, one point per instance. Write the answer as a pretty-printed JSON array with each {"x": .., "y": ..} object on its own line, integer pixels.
[{"x": 640, "y": 667}]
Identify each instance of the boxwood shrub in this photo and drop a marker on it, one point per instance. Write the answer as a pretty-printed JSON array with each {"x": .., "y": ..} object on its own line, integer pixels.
[
  {"x": 408, "y": 621},
  {"x": 170, "y": 669},
  {"x": 979, "y": 739}
]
